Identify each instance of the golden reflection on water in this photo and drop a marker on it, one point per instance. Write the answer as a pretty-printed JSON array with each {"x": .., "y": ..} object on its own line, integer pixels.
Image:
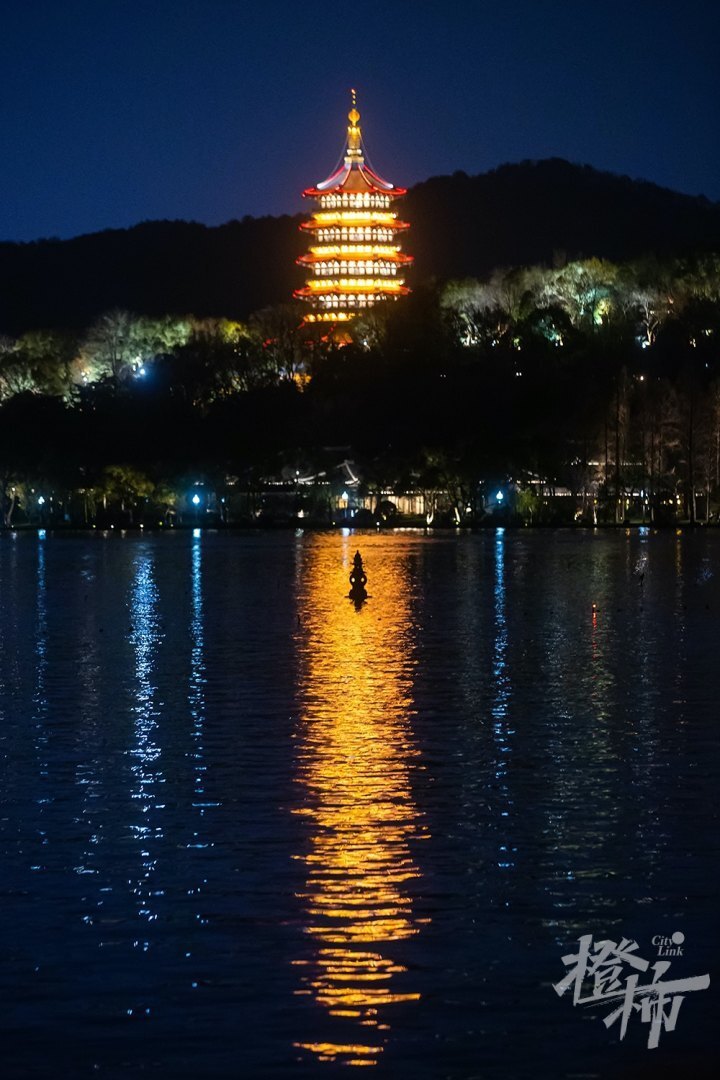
[{"x": 354, "y": 759}]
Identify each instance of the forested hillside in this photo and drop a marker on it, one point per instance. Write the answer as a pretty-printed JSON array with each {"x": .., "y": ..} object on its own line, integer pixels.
[{"x": 547, "y": 212}]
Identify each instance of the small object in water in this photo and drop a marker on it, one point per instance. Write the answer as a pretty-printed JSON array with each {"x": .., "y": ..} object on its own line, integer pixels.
[{"x": 358, "y": 579}]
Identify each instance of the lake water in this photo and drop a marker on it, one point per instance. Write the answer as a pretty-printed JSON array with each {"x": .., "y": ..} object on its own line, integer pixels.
[{"x": 249, "y": 830}]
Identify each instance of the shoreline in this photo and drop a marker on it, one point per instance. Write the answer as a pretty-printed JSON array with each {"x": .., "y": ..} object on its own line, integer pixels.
[{"x": 300, "y": 525}]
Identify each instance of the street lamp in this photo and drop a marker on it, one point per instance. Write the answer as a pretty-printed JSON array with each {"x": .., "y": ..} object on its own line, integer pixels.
[{"x": 195, "y": 500}]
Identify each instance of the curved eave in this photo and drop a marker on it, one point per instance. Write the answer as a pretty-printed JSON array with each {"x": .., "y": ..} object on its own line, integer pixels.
[
  {"x": 391, "y": 289},
  {"x": 398, "y": 259},
  {"x": 355, "y": 179},
  {"x": 316, "y": 193},
  {"x": 354, "y": 223}
]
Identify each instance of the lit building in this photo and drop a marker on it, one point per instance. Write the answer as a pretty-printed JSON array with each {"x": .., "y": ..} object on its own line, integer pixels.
[{"x": 355, "y": 259}]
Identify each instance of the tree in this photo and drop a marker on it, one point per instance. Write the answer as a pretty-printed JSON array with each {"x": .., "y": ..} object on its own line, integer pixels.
[
  {"x": 15, "y": 374},
  {"x": 119, "y": 344},
  {"x": 218, "y": 358},
  {"x": 50, "y": 358},
  {"x": 283, "y": 338},
  {"x": 586, "y": 289},
  {"x": 126, "y": 485}
]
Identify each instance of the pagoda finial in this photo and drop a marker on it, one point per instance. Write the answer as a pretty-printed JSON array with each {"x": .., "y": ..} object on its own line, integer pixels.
[{"x": 354, "y": 135}]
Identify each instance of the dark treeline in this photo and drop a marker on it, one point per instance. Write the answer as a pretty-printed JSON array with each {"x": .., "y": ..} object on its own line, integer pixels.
[
  {"x": 152, "y": 269},
  {"x": 595, "y": 379},
  {"x": 533, "y": 213}
]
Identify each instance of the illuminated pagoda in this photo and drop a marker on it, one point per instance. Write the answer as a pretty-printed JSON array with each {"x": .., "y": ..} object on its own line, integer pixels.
[{"x": 355, "y": 260}]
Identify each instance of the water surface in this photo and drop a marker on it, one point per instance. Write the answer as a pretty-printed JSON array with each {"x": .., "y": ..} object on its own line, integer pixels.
[{"x": 250, "y": 830}]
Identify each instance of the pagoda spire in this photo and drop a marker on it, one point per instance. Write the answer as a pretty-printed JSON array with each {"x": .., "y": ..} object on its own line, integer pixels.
[
  {"x": 356, "y": 261},
  {"x": 354, "y": 134}
]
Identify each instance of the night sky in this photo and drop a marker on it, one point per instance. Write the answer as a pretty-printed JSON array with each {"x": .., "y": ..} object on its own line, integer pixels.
[{"x": 119, "y": 111}]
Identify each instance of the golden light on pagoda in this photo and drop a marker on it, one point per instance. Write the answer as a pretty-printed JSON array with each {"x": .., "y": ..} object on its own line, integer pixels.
[{"x": 355, "y": 259}]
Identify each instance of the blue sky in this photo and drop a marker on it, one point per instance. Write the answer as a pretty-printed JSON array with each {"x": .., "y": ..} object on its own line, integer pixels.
[{"x": 126, "y": 110}]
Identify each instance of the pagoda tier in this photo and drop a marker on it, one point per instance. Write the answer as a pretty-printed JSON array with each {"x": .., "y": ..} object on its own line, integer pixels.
[{"x": 355, "y": 260}]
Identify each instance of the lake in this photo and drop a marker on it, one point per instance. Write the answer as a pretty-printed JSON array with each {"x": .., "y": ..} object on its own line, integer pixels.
[{"x": 250, "y": 829}]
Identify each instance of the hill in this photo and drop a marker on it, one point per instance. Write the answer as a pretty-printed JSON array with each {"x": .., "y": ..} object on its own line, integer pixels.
[
  {"x": 462, "y": 226},
  {"x": 537, "y": 212}
]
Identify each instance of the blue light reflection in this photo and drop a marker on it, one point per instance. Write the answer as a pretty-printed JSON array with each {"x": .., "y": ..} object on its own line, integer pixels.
[
  {"x": 501, "y": 731},
  {"x": 196, "y": 691},
  {"x": 145, "y": 638}
]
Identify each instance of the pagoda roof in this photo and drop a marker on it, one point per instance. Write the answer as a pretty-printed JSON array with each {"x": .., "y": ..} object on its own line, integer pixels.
[
  {"x": 347, "y": 220},
  {"x": 397, "y": 257},
  {"x": 354, "y": 175},
  {"x": 343, "y": 288}
]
